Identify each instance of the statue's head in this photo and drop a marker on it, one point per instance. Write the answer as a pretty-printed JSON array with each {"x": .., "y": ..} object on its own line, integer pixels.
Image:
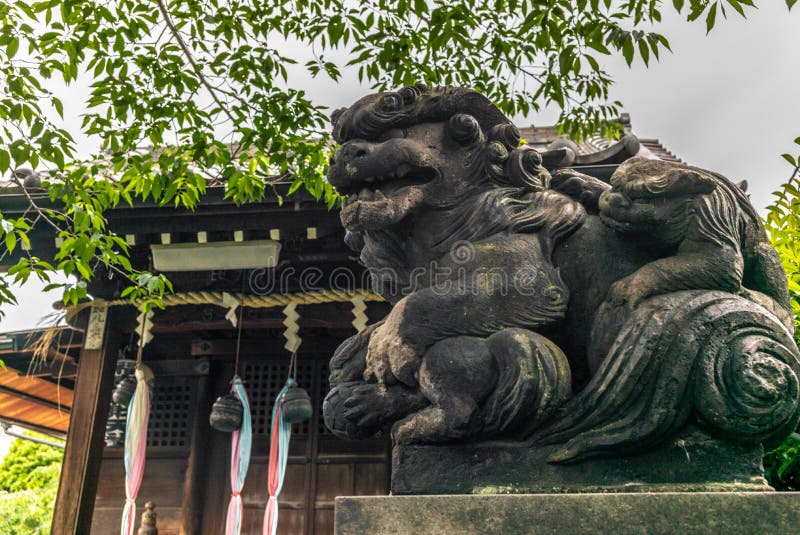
[
  {"x": 424, "y": 146},
  {"x": 655, "y": 197}
]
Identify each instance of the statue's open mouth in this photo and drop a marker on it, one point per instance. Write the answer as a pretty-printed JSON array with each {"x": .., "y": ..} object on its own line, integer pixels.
[
  {"x": 405, "y": 175},
  {"x": 379, "y": 201}
]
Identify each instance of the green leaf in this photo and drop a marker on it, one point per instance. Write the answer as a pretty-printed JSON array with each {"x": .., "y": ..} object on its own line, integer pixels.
[
  {"x": 12, "y": 47},
  {"x": 5, "y": 161},
  {"x": 59, "y": 106},
  {"x": 11, "y": 241},
  {"x": 644, "y": 51},
  {"x": 627, "y": 50},
  {"x": 789, "y": 158},
  {"x": 738, "y": 7},
  {"x": 84, "y": 270},
  {"x": 711, "y": 17}
]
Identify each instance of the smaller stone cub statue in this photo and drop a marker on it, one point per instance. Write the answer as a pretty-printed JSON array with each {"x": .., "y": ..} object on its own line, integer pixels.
[{"x": 700, "y": 228}]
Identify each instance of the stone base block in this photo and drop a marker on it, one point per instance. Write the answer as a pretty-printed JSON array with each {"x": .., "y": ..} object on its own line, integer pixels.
[
  {"x": 729, "y": 513},
  {"x": 691, "y": 462}
]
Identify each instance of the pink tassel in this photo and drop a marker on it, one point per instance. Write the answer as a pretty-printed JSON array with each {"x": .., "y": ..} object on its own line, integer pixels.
[{"x": 135, "y": 447}]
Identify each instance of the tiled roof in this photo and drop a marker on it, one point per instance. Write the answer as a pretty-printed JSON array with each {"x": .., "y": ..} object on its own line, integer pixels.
[
  {"x": 556, "y": 149},
  {"x": 590, "y": 151},
  {"x": 655, "y": 147}
]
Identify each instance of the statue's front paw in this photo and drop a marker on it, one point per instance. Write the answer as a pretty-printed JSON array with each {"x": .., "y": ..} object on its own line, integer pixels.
[
  {"x": 582, "y": 188},
  {"x": 568, "y": 183},
  {"x": 368, "y": 405},
  {"x": 390, "y": 358},
  {"x": 626, "y": 292}
]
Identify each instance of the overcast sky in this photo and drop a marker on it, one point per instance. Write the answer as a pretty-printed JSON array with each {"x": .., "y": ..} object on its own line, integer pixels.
[{"x": 729, "y": 102}]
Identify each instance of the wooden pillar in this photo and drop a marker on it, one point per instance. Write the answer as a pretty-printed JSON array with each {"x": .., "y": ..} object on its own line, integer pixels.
[
  {"x": 85, "y": 439},
  {"x": 195, "y": 481}
]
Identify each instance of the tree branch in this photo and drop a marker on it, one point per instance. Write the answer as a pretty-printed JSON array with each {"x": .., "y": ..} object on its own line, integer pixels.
[{"x": 190, "y": 58}]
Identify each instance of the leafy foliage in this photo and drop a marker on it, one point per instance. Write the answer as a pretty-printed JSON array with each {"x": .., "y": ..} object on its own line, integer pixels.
[
  {"x": 783, "y": 227},
  {"x": 29, "y": 465},
  {"x": 28, "y": 512},
  {"x": 782, "y": 465},
  {"x": 29, "y": 479},
  {"x": 206, "y": 88}
]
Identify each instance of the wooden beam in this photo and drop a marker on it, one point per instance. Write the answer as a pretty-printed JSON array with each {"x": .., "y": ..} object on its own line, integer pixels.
[
  {"x": 194, "y": 483},
  {"x": 29, "y": 349},
  {"x": 33, "y": 427},
  {"x": 264, "y": 347},
  {"x": 171, "y": 368},
  {"x": 224, "y": 325},
  {"x": 22, "y": 364},
  {"x": 85, "y": 439},
  {"x": 34, "y": 399}
]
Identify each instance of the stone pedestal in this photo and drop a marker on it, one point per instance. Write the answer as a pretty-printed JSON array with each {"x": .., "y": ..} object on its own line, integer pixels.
[
  {"x": 665, "y": 513},
  {"x": 693, "y": 461}
]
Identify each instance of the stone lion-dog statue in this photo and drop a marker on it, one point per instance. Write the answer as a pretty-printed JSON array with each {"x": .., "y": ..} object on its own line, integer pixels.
[{"x": 602, "y": 318}]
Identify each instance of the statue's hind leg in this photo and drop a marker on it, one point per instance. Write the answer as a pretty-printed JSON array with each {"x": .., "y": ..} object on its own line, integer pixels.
[
  {"x": 450, "y": 419},
  {"x": 456, "y": 375}
]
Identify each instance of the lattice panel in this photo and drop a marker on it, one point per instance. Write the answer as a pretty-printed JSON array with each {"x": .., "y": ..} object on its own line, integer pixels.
[
  {"x": 263, "y": 380},
  {"x": 170, "y": 414}
]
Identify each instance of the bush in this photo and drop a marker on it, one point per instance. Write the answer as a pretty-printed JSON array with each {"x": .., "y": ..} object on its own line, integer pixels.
[
  {"x": 28, "y": 485},
  {"x": 29, "y": 465},
  {"x": 27, "y": 512},
  {"x": 782, "y": 465}
]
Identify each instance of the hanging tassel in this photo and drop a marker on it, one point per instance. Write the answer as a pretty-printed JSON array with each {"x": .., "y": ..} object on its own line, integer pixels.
[
  {"x": 241, "y": 443},
  {"x": 135, "y": 444},
  {"x": 280, "y": 436}
]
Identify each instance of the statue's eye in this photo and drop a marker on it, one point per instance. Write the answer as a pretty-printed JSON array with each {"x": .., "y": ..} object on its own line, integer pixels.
[
  {"x": 408, "y": 94},
  {"x": 391, "y": 103}
]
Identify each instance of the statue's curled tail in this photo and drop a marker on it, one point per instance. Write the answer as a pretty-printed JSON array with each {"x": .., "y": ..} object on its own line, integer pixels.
[{"x": 712, "y": 356}]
